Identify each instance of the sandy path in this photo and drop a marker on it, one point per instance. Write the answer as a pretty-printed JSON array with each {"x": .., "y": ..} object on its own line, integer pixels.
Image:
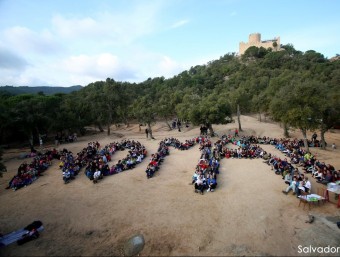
[{"x": 246, "y": 215}]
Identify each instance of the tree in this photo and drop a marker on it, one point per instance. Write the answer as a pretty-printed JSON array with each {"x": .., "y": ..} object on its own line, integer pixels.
[
  {"x": 278, "y": 110},
  {"x": 29, "y": 115},
  {"x": 255, "y": 52},
  {"x": 299, "y": 107},
  {"x": 166, "y": 106},
  {"x": 275, "y": 45},
  {"x": 2, "y": 166},
  {"x": 329, "y": 108},
  {"x": 145, "y": 111},
  {"x": 238, "y": 118},
  {"x": 212, "y": 109}
]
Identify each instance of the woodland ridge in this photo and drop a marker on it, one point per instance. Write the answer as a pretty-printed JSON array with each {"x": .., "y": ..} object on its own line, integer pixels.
[{"x": 298, "y": 89}]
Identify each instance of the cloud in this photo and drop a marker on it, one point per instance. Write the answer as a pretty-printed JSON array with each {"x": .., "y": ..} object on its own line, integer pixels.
[
  {"x": 138, "y": 66},
  {"x": 116, "y": 28},
  {"x": 83, "y": 69},
  {"x": 168, "y": 67},
  {"x": 97, "y": 67},
  {"x": 11, "y": 61},
  {"x": 83, "y": 49},
  {"x": 26, "y": 41},
  {"x": 29, "y": 77},
  {"x": 179, "y": 24}
]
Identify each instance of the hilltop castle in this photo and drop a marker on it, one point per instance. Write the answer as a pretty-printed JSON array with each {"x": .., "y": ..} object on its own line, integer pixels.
[{"x": 255, "y": 40}]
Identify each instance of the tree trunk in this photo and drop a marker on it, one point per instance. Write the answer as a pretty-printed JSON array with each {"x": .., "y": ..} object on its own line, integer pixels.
[
  {"x": 150, "y": 130},
  {"x": 100, "y": 127},
  {"x": 31, "y": 139},
  {"x": 211, "y": 130},
  {"x": 304, "y": 133},
  {"x": 126, "y": 121},
  {"x": 167, "y": 123},
  {"x": 108, "y": 129},
  {"x": 322, "y": 135},
  {"x": 260, "y": 118},
  {"x": 238, "y": 118},
  {"x": 81, "y": 131},
  {"x": 285, "y": 130},
  {"x": 109, "y": 120}
]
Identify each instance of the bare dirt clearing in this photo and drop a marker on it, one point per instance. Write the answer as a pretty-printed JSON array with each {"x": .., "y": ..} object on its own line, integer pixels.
[{"x": 246, "y": 215}]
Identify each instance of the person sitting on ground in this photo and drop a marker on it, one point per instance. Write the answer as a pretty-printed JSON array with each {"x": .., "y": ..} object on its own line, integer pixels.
[
  {"x": 287, "y": 178},
  {"x": 196, "y": 175},
  {"x": 66, "y": 176},
  {"x": 199, "y": 184},
  {"x": 311, "y": 169},
  {"x": 119, "y": 167},
  {"x": 320, "y": 173},
  {"x": 298, "y": 184},
  {"x": 307, "y": 185},
  {"x": 292, "y": 186},
  {"x": 336, "y": 176},
  {"x": 300, "y": 188},
  {"x": 150, "y": 171},
  {"x": 96, "y": 176},
  {"x": 211, "y": 183},
  {"x": 326, "y": 179}
]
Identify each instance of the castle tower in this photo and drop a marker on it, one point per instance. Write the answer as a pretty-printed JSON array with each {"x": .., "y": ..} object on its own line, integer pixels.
[{"x": 255, "y": 40}]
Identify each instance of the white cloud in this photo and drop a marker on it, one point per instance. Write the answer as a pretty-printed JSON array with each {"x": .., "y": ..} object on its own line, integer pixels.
[
  {"x": 116, "y": 28},
  {"x": 179, "y": 24},
  {"x": 97, "y": 67},
  {"x": 11, "y": 61},
  {"x": 137, "y": 67},
  {"x": 80, "y": 50},
  {"x": 72, "y": 28},
  {"x": 84, "y": 68},
  {"x": 169, "y": 67},
  {"x": 29, "y": 77},
  {"x": 26, "y": 41}
]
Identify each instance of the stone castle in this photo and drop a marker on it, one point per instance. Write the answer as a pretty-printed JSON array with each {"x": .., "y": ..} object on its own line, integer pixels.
[{"x": 255, "y": 40}]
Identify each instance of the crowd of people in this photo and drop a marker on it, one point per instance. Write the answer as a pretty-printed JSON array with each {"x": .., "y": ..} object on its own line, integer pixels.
[
  {"x": 29, "y": 172},
  {"x": 70, "y": 165},
  {"x": 97, "y": 159},
  {"x": 163, "y": 150},
  {"x": 249, "y": 147},
  {"x": 205, "y": 176},
  {"x": 295, "y": 178}
]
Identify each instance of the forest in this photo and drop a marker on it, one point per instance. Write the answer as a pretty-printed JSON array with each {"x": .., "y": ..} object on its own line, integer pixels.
[
  {"x": 298, "y": 89},
  {"x": 11, "y": 90}
]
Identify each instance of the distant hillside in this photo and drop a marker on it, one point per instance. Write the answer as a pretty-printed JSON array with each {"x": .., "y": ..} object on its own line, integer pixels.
[{"x": 34, "y": 90}]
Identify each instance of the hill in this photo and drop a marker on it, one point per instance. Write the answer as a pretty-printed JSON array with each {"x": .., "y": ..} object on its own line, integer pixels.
[
  {"x": 298, "y": 89},
  {"x": 34, "y": 90}
]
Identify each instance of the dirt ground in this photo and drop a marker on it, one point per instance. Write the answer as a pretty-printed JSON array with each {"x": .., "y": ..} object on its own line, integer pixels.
[{"x": 247, "y": 214}]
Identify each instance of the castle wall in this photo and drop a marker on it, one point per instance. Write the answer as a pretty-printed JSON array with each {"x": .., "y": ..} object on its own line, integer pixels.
[{"x": 255, "y": 40}]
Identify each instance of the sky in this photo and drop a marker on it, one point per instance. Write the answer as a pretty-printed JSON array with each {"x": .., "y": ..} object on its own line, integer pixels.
[{"x": 76, "y": 42}]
